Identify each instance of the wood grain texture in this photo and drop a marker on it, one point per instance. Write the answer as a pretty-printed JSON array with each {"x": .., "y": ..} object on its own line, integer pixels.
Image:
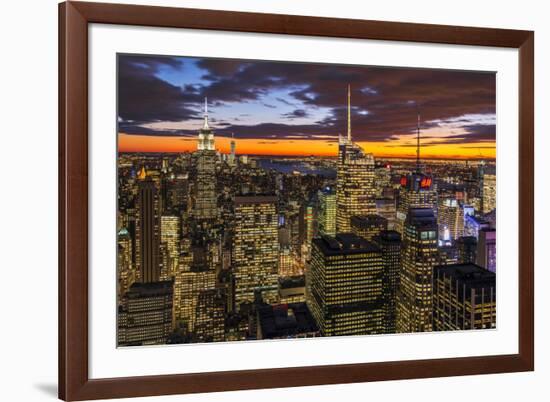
[{"x": 74, "y": 382}]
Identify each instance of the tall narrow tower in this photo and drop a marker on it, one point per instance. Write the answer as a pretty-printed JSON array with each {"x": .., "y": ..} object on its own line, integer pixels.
[
  {"x": 205, "y": 198},
  {"x": 355, "y": 191}
]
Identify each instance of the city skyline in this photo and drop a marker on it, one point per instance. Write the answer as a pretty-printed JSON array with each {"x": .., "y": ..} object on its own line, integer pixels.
[
  {"x": 299, "y": 109},
  {"x": 218, "y": 246}
]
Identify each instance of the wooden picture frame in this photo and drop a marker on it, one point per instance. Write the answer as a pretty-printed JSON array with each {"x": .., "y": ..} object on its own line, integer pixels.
[{"x": 74, "y": 381}]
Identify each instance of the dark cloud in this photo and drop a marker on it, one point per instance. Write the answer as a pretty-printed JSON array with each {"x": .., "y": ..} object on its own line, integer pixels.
[
  {"x": 145, "y": 98},
  {"x": 298, "y": 113},
  {"x": 385, "y": 100}
]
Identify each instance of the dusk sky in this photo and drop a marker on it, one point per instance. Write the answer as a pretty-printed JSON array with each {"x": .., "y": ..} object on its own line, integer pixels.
[{"x": 282, "y": 108}]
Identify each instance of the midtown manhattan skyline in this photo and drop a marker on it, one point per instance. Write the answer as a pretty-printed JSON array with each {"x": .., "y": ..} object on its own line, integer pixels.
[{"x": 299, "y": 109}]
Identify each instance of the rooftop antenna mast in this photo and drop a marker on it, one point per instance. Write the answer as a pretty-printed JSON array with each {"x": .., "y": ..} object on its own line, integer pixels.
[
  {"x": 205, "y": 112},
  {"x": 349, "y": 113},
  {"x": 417, "y": 139}
]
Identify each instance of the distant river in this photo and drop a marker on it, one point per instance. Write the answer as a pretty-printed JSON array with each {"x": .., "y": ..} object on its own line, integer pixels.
[{"x": 288, "y": 167}]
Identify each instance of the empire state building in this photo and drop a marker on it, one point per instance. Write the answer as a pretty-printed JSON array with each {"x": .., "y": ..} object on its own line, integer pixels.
[
  {"x": 205, "y": 205},
  {"x": 355, "y": 180}
]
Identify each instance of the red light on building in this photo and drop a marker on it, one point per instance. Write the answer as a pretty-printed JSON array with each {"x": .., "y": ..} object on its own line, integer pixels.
[
  {"x": 426, "y": 182},
  {"x": 403, "y": 181},
  {"x": 388, "y": 166}
]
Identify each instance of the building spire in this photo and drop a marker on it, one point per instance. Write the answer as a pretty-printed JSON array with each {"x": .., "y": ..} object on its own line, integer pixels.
[
  {"x": 349, "y": 113},
  {"x": 417, "y": 139},
  {"x": 205, "y": 113}
]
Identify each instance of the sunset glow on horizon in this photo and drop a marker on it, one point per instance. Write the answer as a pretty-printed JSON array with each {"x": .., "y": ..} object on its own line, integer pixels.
[{"x": 299, "y": 147}]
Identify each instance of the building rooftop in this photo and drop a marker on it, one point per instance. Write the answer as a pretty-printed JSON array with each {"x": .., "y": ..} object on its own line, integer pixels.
[
  {"x": 364, "y": 221},
  {"x": 471, "y": 275},
  {"x": 344, "y": 243},
  {"x": 389, "y": 236},
  {"x": 285, "y": 320},
  {"x": 255, "y": 199},
  {"x": 421, "y": 216},
  {"x": 139, "y": 289}
]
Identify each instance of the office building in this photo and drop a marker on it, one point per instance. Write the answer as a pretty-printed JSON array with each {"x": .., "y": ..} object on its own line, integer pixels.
[
  {"x": 345, "y": 295},
  {"x": 255, "y": 248},
  {"x": 147, "y": 229},
  {"x": 464, "y": 298},
  {"x": 327, "y": 211},
  {"x": 389, "y": 242},
  {"x": 145, "y": 314},
  {"x": 450, "y": 216},
  {"x": 419, "y": 255},
  {"x": 205, "y": 195},
  {"x": 355, "y": 193}
]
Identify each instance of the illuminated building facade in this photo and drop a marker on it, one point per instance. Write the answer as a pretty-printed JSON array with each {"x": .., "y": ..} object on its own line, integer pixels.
[
  {"x": 450, "y": 216},
  {"x": 386, "y": 207},
  {"x": 255, "y": 248},
  {"x": 205, "y": 196},
  {"x": 145, "y": 314},
  {"x": 147, "y": 230},
  {"x": 489, "y": 189},
  {"x": 355, "y": 193},
  {"x": 170, "y": 238},
  {"x": 368, "y": 226},
  {"x": 464, "y": 298},
  {"x": 419, "y": 255},
  {"x": 327, "y": 211},
  {"x": 126, "y": 273},
  {"x": 346, "y": 290},
  {"x": 417, "y": 191},
  {"x": 389, "y": 242}
]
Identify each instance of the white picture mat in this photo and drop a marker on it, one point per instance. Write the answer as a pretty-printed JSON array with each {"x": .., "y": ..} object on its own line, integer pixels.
[{"x": 105, "y": 360}]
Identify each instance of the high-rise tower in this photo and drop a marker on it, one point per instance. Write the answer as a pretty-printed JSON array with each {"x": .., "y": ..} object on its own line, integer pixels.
[
  {"x": 255, "y": 249},
  {"x": 147, "y": 230},
  {"x": 355, "y": 192},
  {"x": 205, "y": 198},
  {"x": 419, "y": 255},
  {"x": 345, "y": 291}
]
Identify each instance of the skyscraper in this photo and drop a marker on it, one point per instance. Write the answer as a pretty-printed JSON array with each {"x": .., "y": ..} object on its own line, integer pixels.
[
  {"x": 487, "y": 249},
  {"x": 355, "y": 193},
  {"x": 345, "y": 295},
  {"x": 464, "y": 298},
  {"x": 327, "y": 211},
  {"x": 389, "y": 242},
  {"x": 147, "y": 230},
  {"x": 255, "y": 248},
  {"x": 419, "y": 255},
  {"x": 232, "y": 159},
  {"x": 205, "y": 196}
]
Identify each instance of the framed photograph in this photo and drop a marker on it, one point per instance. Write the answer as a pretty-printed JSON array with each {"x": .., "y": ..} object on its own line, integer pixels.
[{"x": 258, "y": 201}]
